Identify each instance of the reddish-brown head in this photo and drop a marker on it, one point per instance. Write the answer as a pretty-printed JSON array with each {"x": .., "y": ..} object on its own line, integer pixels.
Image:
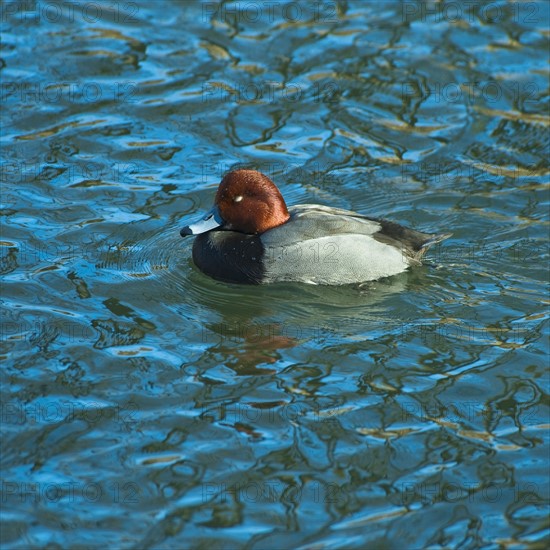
[{"x": 250, "y": 202}]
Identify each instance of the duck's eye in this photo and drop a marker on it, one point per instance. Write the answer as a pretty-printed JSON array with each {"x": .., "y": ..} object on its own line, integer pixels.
[{"x": 238, "y": 198}]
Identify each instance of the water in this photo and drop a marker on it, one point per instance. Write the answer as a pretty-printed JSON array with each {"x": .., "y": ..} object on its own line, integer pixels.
[{"x": 147, "y": 406}]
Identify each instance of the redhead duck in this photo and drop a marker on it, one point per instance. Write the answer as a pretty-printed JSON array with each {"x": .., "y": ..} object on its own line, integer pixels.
[{"x": 250, "y": 236}]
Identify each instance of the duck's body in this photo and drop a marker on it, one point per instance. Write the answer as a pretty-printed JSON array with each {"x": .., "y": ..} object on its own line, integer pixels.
[{"x": 310, "y": 243}]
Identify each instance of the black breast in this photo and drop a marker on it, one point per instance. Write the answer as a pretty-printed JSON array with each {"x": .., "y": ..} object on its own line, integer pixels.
[{"x": 230, "y": 256}]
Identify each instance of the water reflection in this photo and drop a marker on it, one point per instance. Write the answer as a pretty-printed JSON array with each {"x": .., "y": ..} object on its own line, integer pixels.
[{"x": 146, "y": 404}]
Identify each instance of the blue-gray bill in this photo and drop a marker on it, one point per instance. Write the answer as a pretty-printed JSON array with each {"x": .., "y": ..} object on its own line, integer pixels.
[{"x": 210, "y": 220}]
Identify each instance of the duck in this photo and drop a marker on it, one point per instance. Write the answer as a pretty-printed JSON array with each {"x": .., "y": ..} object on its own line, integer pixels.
[{"x": 250, "y": 236}]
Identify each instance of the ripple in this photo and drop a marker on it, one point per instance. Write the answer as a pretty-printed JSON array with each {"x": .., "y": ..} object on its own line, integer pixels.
[
  {"x": 283, "y": 415},
  {"x": 155, "y": 256}
]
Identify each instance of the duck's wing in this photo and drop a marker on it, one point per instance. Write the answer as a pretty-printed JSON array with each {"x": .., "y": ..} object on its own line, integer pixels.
[
  {"x": 314, "y": 221},
  {"x": 324, "y": 245}
]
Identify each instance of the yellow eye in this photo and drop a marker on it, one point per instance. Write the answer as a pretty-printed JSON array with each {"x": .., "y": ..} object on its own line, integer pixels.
[{"x": 238, "y": 198}]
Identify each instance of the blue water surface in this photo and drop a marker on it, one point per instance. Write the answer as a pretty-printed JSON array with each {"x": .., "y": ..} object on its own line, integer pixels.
[{"x": 144, "y": 405}]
